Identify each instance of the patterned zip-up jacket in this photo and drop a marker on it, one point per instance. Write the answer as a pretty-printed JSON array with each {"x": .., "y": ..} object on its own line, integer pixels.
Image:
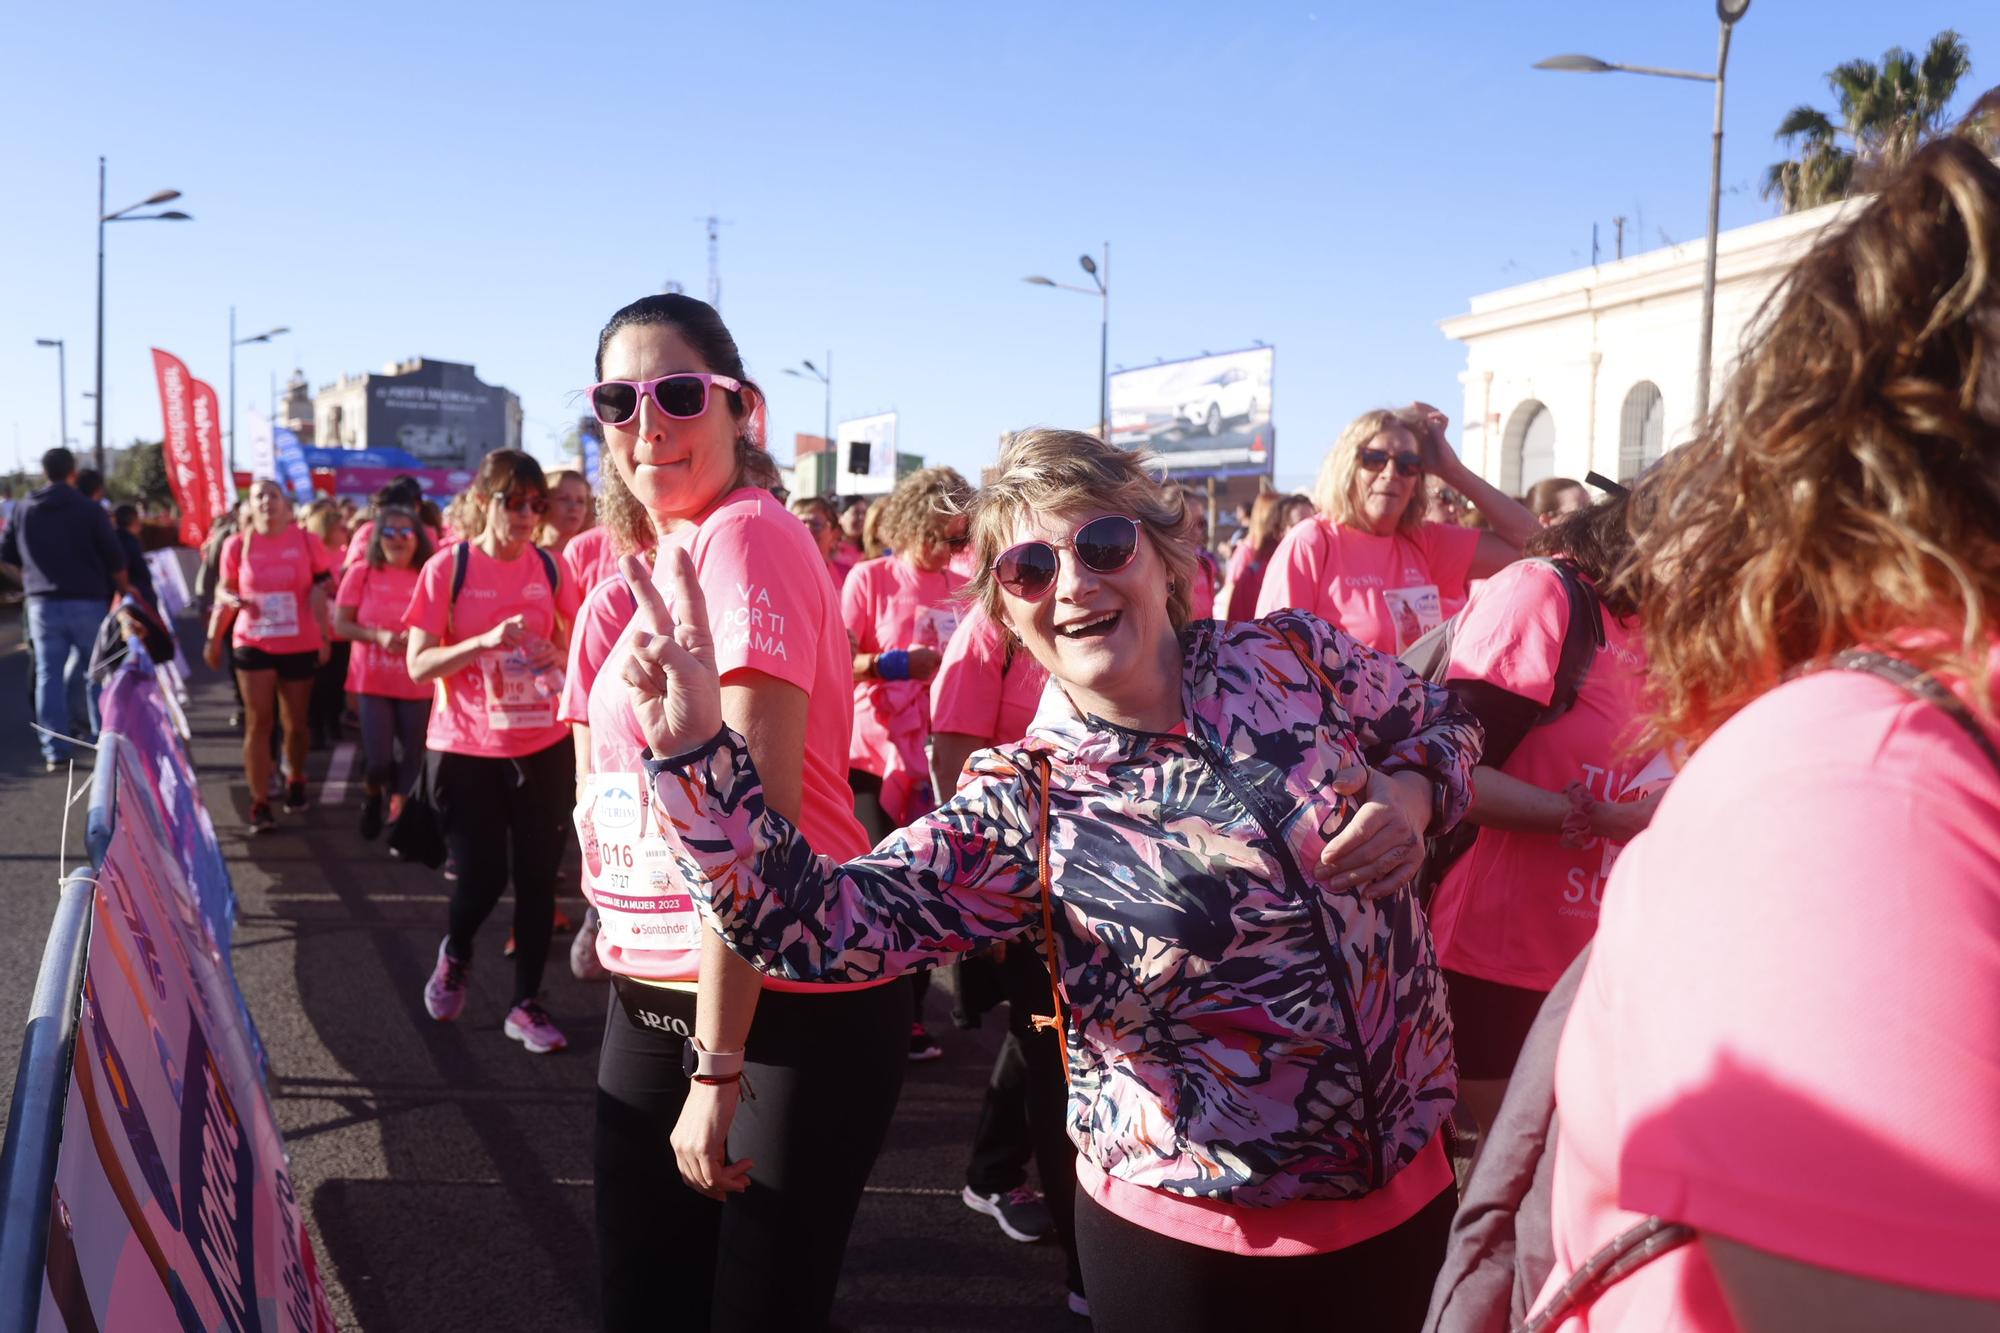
[{"x": 1236, "y": 1029}]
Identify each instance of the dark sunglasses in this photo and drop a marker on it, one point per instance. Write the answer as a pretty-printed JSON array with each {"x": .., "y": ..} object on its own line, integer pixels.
[
  {"x": 681, "y": 396},
  {"x": 1103, "y": 546},
  {"x": 531, "y": 504},
  {"x": 392, "y": 534},
  {"x": 1374, "y": 460}
]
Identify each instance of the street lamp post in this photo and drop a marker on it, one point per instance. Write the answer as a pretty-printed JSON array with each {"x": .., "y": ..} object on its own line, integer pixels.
[
  {"x": 825, "y": 377},
  {"x": 234, "y": 343},
  {"x": 125, "y": 214},
  {"x": 62, "y": 388},
  {"x": 1729, "y": 12},
  {"x": 1101, "y": 275}
]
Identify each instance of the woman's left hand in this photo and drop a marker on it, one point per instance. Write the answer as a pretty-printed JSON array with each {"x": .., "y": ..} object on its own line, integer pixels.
[{"x": 1381, "y": 847}]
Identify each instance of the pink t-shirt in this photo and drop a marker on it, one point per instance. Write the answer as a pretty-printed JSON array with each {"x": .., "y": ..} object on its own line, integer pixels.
[
  {"x": 1291, "y": 1230},
  {"x": 496, "y": 707},
  {"x": 889, "y": 604},
  {"x": 1787, "y": 1032},
  {"x": 1201, "y": 596},
  {"x": 274, "y": 576},
  {"x": 1246, "y": 580},
  {"x": 772, "y": 610},
  {"x": 378, "y": 599},
  {"x": 1518, "y": 907},
  {"x": 982, "y": 689},
  {"x": 590, "y": 558},
  {"x": 1385, "y": 591},
  {"x": 606, "y": 611}
]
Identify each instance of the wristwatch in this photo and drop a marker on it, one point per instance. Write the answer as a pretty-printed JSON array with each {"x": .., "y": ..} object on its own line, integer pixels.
[{"x": 710, "y": 1067}]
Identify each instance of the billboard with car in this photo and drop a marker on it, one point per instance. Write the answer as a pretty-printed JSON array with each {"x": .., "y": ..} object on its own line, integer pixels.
[{"x": 1209, "y": 414}]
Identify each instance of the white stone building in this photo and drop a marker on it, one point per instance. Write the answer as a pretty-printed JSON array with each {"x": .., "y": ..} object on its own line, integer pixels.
[{"x": 1595, "y": 369}]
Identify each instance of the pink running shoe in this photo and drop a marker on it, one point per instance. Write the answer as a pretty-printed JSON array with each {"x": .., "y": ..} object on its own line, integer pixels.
[
  {"x": 444, "y": 993},
  {"x": 529, "y": 1024}
]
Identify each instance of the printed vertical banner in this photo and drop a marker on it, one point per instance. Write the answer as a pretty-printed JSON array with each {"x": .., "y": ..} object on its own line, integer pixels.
[
  {"x": 184, "y": 461},
  {"x": 262, "y": 460},
  {"x": 590, "y": 449},
  {"x": 208, "y": 447},
  {"x": 289, "y": 460}
]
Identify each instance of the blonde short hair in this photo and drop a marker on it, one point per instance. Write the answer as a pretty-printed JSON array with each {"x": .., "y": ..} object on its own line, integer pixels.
[
  {"x": 1333, "y": 493},
  {"x": 921, "y": 508},
  {"x": 1044, "y": 471}
]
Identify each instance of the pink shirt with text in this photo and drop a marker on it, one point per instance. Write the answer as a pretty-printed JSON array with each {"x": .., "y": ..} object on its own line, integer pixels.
[
  {"x": 1518, "y": 907},
  {"x": 495, "y": 707},
  {"x": 1385, "y": 591},
  {"x": 378, "y": 599},
  {"x": 274, "y": 577},
  {"x": 772, "y": 609},
  {"x": 1786, "y": 1034}
]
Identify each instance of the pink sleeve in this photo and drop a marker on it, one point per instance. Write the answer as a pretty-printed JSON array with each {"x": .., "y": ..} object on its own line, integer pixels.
[
  {"x": 1511, "y": 632},
  {"x": 966, "y": 692},
  {"x": 322, "y": 559},
  {"x": 569, "y": 597},
  {"x": 1296, "y": 572},
  {"x": 357, "y": 545},
  {"x": 429, "y": 604},
  {"x": 232, "y": 561},
  {"x": 351, "y": 584},
  {"x": 1448, "y": 550},
  {"x": 572, "y": 568},
  {"x": 856, "y": 612},
  {"x": 1830, "y": 1094},
  {"x": 765, "y": 614},
  {"x": 599, "y": 623}
]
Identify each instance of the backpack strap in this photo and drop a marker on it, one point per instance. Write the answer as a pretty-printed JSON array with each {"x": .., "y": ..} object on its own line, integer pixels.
[
  {"x": 1581, "y": 640},
  {"x": 461, "y": 562},
  {"x": 1916, "y": 683},
  {"x": 550, "y": 571},
  {"x": 1055, "y": 1023}
]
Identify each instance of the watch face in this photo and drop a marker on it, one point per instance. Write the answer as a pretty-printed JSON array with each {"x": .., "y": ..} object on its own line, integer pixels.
[{"x": 689, "y": 1060}]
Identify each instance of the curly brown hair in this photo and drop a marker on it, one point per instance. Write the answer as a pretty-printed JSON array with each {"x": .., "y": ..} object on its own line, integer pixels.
[
  {"x": 921, "y": 508},
  {"x": 1847, "y": 491}
]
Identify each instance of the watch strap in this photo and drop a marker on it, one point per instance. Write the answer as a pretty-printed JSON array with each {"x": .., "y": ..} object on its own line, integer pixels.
[{"x": 713, "y": 1065}]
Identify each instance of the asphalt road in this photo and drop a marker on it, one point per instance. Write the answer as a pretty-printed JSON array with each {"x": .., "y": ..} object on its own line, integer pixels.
[{"x": 446, "y": 1172}]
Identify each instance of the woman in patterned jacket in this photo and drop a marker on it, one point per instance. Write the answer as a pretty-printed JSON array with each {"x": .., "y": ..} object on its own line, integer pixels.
[{"x": 1212, "y": 829}]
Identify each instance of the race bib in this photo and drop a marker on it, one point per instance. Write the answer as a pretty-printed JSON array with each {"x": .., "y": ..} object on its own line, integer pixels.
[
  {"x": 276, "y": 614},
  {"x": 1415, "y": 611},
  {"x": 640, "y": 904},
  {"x": 515, "y": 700},
  {"x": 936, "y": 626}
]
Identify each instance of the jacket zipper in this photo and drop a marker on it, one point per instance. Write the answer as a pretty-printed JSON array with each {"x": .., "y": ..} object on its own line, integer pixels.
[{"x": 1336, "y": 974}]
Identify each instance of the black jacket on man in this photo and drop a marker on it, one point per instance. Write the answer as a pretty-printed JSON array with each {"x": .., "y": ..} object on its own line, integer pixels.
[{"x": 64, "y": 544}]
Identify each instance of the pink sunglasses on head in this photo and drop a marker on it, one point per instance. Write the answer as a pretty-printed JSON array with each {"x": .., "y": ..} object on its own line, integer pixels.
[{"x": 682, "y": 396}]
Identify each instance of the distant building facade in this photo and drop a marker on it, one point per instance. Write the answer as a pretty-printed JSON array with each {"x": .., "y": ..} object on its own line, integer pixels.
[
  {"x": 1595, "y": 369},
  {"x": 438, "y": 411}
]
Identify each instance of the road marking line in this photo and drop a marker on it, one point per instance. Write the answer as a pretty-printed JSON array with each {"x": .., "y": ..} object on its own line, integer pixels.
[{"x": 339, "y": 772}]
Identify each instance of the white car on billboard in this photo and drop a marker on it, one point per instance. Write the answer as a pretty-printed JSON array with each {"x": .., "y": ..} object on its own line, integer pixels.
[{"x": 1227, "y": 395}]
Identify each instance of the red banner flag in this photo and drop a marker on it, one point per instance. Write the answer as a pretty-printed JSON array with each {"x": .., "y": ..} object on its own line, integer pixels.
[
  {"x": 208, "y": 450},
  {"x": 185, "y": 474}
]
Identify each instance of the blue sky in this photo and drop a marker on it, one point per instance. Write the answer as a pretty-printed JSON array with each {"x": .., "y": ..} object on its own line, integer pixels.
[{"x": 487, "y": 183}]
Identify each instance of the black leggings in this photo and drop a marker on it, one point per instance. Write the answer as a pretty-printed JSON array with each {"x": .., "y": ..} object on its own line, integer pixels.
[
  {"x": 826, "y": 1069},
  {"x": 1143, "y": 1282},
  {"x": 486, "y": 804}
]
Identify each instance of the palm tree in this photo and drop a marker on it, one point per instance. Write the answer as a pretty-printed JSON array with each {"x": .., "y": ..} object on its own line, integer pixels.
[{"x": 1886, "y": 112}]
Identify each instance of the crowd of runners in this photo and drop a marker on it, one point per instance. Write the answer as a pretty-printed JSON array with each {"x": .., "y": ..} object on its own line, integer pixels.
[{"x": 1271, "y": 837}]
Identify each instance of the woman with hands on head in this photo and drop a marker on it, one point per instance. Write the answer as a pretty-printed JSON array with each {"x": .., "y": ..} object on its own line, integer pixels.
[
  {"x": 1212, "y": 830},
  {"x": 490, "y": 621},
  {"x": 737, "y": 1117},
  {"x": 1371, "y": 563}
]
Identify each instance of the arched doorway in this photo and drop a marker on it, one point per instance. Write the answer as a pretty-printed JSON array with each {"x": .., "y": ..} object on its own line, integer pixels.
[
  {"x": 1528, "y": 450},
  {"x": 1641, "y": 430}
]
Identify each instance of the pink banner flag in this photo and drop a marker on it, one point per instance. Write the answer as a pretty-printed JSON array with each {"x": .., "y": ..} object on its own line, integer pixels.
[
  {"x": 208, "y": 448},
  {"x": 184, "y": 462}
]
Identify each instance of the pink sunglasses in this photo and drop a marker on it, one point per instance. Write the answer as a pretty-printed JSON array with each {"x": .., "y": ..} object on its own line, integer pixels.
[{"x": 681, "y": 396}]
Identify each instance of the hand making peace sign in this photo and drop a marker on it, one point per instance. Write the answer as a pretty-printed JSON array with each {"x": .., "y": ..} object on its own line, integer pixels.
[{"x": 676, "y": 694}]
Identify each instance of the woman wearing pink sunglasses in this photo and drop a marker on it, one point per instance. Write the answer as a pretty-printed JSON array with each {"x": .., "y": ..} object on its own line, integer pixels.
[
  {"x": 1371, "y": 563},
  {"x": 1211, "y": 830},
  {"x": 711, "y": 1078}
]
